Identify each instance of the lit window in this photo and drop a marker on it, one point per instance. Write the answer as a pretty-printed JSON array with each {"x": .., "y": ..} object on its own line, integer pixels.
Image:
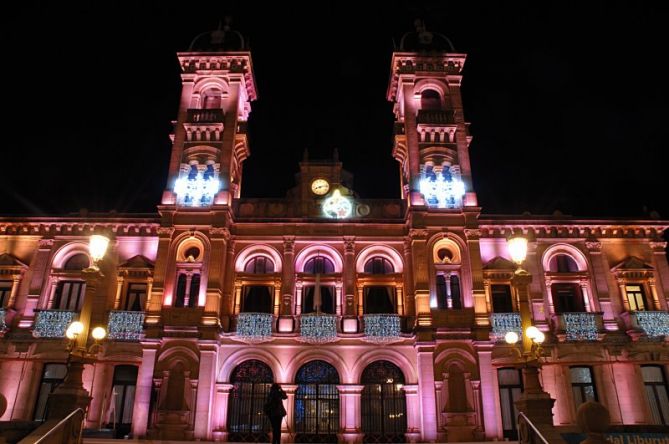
[
  {"x": 636, "y": 297},
  {"x": 136, "y": 297},
  {"x": 582, "y": 385}
]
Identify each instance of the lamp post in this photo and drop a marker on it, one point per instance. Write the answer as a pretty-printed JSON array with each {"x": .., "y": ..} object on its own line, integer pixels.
[
  {"x": 535, "y": 403},
  {"x": 71, "y": 394}
]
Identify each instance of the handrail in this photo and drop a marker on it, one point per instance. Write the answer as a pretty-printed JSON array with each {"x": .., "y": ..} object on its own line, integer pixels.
[
  {"x": 60, "y": 425},
  {"x": 522, "y": 415}
]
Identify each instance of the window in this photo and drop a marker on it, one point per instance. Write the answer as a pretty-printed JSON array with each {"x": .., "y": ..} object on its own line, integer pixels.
[
  {"x": 135, "y": 298},
  {"x": 502, "y": 301},
  {"x": 317, "y": 403},
  {"x": 327, "y": 300},
  {"x": 123, "y": 398},
  {"x": 181, "y": 290},
  {"x": 582, "y": 385},
  {"x": 77, "y": 262},
  {"x": 379, "y": 265},
  {"x": 188, "y": 290},
  {"x": 430, "y": 100},
  {"x": 69, "y": 295},
  {"x": 563, "y": 263},
  {"x": 379, "y": 299},
  {"x": 212, "y": 99},
  {"x": 567, "y": 298},
  {"x": 52, "y": 376},
  {"x": 455, "y": 292},
  {"x": 259, "y": 265},
  {"x": 251, "y": 381},
  {"x": 510, "y": 389},
  {"x": 656, "y": 392},
  {"x": 319, "y": 265},
  {"x": 257, "y": 299},
  {"x": 448, "y": 291},
  {"x": 5, "y": 292},
  {"x": 383, "y": 403},
  {"x": 636, "y": 297}
]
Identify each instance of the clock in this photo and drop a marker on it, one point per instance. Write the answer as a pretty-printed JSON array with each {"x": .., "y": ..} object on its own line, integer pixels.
[{"x": 320, "y": 187}]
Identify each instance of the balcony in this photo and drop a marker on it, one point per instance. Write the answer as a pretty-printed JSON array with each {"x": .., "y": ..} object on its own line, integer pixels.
[
  {"x": 52, "y": 323},
  {"x": 502, "y": 323},
  {"x": 254, "y": 328},
  {"x": 125, "y": 325},
  {"x": 653, "y": 324},
  {"x": 382, "y": 328},
  {"x": 435, "y": 117},
  {"x": 318, "y": 328},
  {"x": 213, "y": 115},
  {"x": 579, "y": 326}
]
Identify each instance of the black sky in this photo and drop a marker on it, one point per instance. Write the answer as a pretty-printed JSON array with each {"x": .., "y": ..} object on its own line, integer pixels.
[{"x": 569, "y": 101}]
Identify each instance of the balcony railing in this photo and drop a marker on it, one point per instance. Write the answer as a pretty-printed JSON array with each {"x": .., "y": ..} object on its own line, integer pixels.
[
  {"x": 52, "y": 323},
  {"x": 382, "y": 328},
  {"x": 655, "y": 324},
  {"x": 318, "y": 328},
  {"x": 125, "y": 325},
  {"x": 3, "y": 324},
  {"x": 580, "y": 326},
  {"x": 435, "y": 117},
  {"x": 254, "y": 327},
  {"x": 213, "y": 115},
  {"x": 502, "y": 323}
]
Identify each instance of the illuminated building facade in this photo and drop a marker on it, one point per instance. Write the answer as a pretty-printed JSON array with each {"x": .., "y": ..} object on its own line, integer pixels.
[{"x": 381, "y": 318}]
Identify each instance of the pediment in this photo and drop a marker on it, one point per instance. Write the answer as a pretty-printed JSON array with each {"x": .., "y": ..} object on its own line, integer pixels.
[
  {"x": 7, "y": 260},
  {"x": 632, "y": 263},
  {"x": 138, "y": 261},
  {"x": 499, "y": 263}
]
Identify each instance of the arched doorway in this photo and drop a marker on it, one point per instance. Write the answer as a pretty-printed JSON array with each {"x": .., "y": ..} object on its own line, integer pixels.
[
  {"x": 316, "y": 403},
  {"x": 383, "y": 403},
  {"x": 251, "y": 381}
]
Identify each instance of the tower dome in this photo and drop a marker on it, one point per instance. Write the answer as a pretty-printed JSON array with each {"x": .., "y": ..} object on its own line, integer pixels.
[
  {"x": 221, "y": 39},
  {"x": 422, "y": 40}
]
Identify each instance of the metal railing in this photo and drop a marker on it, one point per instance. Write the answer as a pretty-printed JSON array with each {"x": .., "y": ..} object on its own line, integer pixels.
[
  {"x": 528, "y": 432},
  {"x": 66, "y": 431}
]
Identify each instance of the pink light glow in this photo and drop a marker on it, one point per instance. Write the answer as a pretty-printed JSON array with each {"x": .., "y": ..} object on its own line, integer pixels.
[{"x": 324, "y": 250}]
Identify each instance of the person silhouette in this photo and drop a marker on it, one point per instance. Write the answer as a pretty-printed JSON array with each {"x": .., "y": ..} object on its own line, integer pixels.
[{"x": 275, "y": 410}]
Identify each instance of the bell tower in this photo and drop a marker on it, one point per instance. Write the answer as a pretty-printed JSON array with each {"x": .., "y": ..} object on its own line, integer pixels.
[
  {"x": 209, "y": 140},
  {"x": 431, "y": 137}
]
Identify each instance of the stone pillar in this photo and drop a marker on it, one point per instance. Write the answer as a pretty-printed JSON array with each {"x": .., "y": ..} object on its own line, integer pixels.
[
  {"x": 100, "y": 392},
  {"x": 623, "y": 294},
  {"x": 425, "y": 367},
  {"x": 229, "y": 294},
  {"x": 288, "y": 425},
  {"x": 350, "y": 413},
  {"x": 349, "y": 277},
  {"x": 661, "y": 265},
  {"x": 421, "y": 277},
  {"x": 288, "y": 276},
  {"x": 205, "y": 392},
  {"x": 216, "y": 272},
  {"x": 489, "y": 409},
  {"x": 119, "y": 290},
  {"x": 16, "y": 279},
  {"x": 140, "y": 412},
  {"x": 409, "y": 303},
  {"x": 220, "y": 424},
  {"x": 413, "y": 413}
]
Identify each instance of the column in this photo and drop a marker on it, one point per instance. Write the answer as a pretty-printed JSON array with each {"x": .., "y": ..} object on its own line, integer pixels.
[
  {"x": 653, "y": 292},
  {"x": 16, "y": 279},
  {"x": 288, "y": 276},
  {"x": 413, "y": 412},
  {"x": 489, "y": 409},
  {"x": 220, "y": 423},
  {"x": 119, "y": 289},
  {"x": 288, "y": 426},
  {"x": 140, "y": 411},
  {"x": 661, "y": 265},
  {"x": 230, "y": 296},
  {"x": 350, "y": 413},
  {"x": 349, "y": 276},
  {"x": 588, "y": 300},
  {"x": 425, "y": 367},
  {"x": 100, "y": 391},
  {"x": 409, "y": 303},
  {"x": 623, "y": 293},
  {"x": 206, "y": 381}
]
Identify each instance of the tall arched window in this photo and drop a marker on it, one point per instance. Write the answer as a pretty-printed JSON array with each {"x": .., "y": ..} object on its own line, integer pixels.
[
  {"x": 251, "y": 381},
  {"x": 379, "y": 265},
  {"x": 316, "y": 403},
  {"x": 319, "y": 265},
  {"x": 259, "y": 265},
  {"x": 448, "y": 291},
  {"x": 562, "y": 263},
  {"x": 190, "y": 257},
  {"x": 430, "y": 100},
  {"x": 383, "y": 403}
]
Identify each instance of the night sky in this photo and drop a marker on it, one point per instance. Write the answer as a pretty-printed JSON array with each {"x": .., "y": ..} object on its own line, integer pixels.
[{"x": 569, "y": 102}]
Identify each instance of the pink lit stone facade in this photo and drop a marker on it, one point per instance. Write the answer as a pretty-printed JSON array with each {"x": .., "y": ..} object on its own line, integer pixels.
[{"x": 446, "y": 271}]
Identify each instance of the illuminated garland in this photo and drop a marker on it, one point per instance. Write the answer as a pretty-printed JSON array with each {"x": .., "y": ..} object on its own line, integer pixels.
[
  {"x": 382, "y": 328},
  {"x": 318, "y": 328},
  {"x": 502, "y": 323},
  {"x": 254, "y": 327},
  {"x": 197, "y": 188},
  {"x": 52, "y": 323},
  {"x": 125, "y": 325},
  {"x": 3, "y": 325},
  {"x": 581, "y": 326},
  {"x": 654, "y": 323}
]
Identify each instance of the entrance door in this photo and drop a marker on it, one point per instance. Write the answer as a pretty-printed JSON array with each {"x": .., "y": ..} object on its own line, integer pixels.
[
  {"x": 316, "y": 403},
  {"x": 251, "y": 381},
  {"x": 383, "y": 403}
]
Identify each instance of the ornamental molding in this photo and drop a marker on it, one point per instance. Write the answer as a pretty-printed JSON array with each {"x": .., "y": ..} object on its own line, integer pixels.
[
  {"x": 473, "y": 233},
  {"x": 418, "y": 234},
  {"x": 573, "y": 229},
  {"x": 659, "y": 246},
  {"x": 48, "y": 229},
  {"x": 349, "y": 244},
  {"x": 45, "y": 244},
  {"x": 223, "y": 232},
  {"x": 593, "y": 246},
  {"x": 165, "y": 231}
]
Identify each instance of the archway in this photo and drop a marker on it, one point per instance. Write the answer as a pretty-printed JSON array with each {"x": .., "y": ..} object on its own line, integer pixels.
[
  {"x": 251, "y": 381},
  {"x": 316, "y": 403},
  {"x": 383, "y": 403}
]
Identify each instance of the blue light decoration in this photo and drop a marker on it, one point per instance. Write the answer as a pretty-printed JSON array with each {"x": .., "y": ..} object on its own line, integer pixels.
[
  {"x": 654, "y": 323},
  {"x": 318, "y": 328},
  {"x": 442, "y": 189},
  {"x": 197, "y": 188},
  {"x": 337, "y": 206},
  {"x": 502, "y": 323},
  {"x": 382, "y": 328},
  {"x": 581, "y": 326},
  {"x": 3, "y": 324},
  {"x": 125, "y": 325},
  {"x": 254, "y": 328},
  {"x": 52, "y": 323}
]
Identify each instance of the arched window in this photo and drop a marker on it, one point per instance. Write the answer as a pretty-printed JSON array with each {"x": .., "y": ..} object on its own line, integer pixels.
[
  {"x": 123, "y": 395},
  {"x": 563, "y": 263},
  {"x": 211, "y": 99},
  {"x": 448, "y": 291},
  {"x": 319, "y": 265},
  {"x": 430, "y": 100},
  {"x": 379, "y": 265},
  {"x": 251, "y": 381},
  {"x": 190, "y": 257},
  {"x": 259, "y": 265},
  {"x": 77, "y": 262},
  {"x": 383, "y": 403},
  {"x": 316, "y": 403}
]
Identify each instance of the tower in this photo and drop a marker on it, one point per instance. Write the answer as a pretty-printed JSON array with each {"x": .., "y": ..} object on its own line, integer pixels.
[{"x": 431, "y": 137}]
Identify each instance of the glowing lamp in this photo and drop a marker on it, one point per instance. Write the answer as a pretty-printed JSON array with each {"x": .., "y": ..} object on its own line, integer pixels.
[
  {"x": 337, "y": 206},
  {"x": 97, "y": 246},
  {"x": 99, "y": 333},
  {"x": 74, "y": 330},
  {"x": 517, "y": 249},
  {"x": 539, "y": 338},
  {"x": 533, "y": 332},
  {"x": 511, "y": 337}
]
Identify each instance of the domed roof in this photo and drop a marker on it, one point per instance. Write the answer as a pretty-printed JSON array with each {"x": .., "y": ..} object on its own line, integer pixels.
[
  {"x": 422, "y": 40},
  {"x": 221, "y": 39}
]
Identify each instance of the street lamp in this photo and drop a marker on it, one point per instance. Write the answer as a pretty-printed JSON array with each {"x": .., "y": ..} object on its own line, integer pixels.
[{"x": 97, "y": 247}]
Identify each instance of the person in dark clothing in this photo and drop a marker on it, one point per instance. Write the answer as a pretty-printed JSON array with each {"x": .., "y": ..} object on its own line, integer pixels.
[{"x": 275, "y": 410}]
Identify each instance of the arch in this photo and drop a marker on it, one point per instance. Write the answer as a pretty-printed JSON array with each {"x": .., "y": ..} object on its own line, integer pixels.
[
  {"x": 392, "y": 356},
  {"x": 77, "y": 262},
  {"x": 566, "y": 249},
  {"x": 328, "y": 356},
  {"x": 324, "y": 250},
  {"x": 67, "y": 251},
  {"x": 379, "y": 265},
  {"x": 437, "y": 86},
  {"x": 251, "y": 381},
  {"x": 379, "y": 370},
  {"x": 379, "y": 250},
  {"x": 169, "y": 358},
  {"x": 258, "y": 250},
  {"x": 317, "y": 402},
  {"x": 209, "y": 83},
  {"x": 190, "y": 250},
  {"x": 448, "y": 245},
  {"x": 430, "y": 99},
  {"x": 247, "y": 354}
]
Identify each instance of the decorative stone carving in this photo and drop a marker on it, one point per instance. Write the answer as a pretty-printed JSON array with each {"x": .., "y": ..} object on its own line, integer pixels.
[
  {"x": 472, "y": 233},
  {"x": 593, "y": 246}
]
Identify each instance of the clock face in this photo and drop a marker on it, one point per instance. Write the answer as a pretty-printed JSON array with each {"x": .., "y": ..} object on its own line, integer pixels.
[{"x": 320, "y": 186}]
